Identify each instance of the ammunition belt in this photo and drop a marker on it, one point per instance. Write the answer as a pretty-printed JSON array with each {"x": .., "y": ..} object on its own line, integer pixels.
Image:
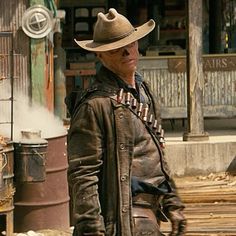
[{"x": 141, "y": 111}]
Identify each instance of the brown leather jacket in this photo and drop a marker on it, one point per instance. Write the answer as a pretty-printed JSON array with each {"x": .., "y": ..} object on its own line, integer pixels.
[{"x": 107, "y": 144}]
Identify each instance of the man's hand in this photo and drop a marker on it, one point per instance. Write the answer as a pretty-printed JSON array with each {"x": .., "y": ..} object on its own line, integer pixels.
[{"x": 179, "y": 222}]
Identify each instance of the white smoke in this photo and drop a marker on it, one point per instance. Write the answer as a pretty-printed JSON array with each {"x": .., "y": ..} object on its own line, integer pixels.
[{"x": 29, "y": 117}]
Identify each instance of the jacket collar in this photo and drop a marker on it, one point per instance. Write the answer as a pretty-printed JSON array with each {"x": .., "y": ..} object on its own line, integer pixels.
[{"x": 108, "y": 77}]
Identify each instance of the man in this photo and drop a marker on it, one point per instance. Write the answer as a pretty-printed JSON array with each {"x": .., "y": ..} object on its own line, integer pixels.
[{"x": 117, "y": 173}]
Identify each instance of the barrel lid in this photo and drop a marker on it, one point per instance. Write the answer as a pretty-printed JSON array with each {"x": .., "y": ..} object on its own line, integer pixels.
[
  {"x": 31, "y": 137},
  {"x": 32, "y": 141}
]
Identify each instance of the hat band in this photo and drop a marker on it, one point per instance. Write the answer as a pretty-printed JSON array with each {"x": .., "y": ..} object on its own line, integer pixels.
[{"x": 111, "y": 40}]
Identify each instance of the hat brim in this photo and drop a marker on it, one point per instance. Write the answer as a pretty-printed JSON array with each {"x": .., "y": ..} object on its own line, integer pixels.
[{"x": 138, "y": 33}]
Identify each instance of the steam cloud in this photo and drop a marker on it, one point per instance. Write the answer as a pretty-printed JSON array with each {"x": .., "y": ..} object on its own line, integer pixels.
[{"x": 27, "y": 117}]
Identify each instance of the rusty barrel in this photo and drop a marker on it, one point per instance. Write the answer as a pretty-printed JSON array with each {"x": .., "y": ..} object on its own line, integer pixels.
[
  {"x": 7, "y": 189},
  {"x": 2, "y": 166},
  {"x": 45, "y": 204}
]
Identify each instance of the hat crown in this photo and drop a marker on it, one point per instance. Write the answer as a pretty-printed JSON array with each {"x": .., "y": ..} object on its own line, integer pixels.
[{"x": 111, "y": 26}]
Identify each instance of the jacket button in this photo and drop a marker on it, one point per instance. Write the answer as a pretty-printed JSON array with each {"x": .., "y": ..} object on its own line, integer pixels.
[
  {"x": 122, "y": 146},
  {"x": 124, "y": 209},
  {"x": 121, "y": 115},
  {"x": 123, "y": 178}
]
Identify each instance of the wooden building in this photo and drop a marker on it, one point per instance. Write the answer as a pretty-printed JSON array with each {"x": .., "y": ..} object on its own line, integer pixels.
[
  {"x": 34, "y": 67},
  {"x": 193, "y": 43},
  {"x": 42, "y": 65}
]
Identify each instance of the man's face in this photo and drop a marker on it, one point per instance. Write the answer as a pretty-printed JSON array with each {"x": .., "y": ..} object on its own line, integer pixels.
[{"x": 122, "y": 60}]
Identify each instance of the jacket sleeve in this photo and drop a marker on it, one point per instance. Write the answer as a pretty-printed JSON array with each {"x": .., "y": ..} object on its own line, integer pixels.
[
  {"x": 85, "y": 162},
  {"x": 172, "y": 201}
]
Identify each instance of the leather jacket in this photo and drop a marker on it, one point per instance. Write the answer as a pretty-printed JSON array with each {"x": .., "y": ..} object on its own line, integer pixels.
[{"x": 107, "y": 144}]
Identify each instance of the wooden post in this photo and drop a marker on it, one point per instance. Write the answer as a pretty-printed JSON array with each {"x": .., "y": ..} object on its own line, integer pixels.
[
  {"x": 195, "y": 80},
  {"x": 42, "y": 76},
  {"x": 59, "y": 81}
]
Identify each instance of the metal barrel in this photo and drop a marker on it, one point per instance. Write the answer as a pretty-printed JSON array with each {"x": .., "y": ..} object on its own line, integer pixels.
[
  {"x": 2, "y": 165},
  {"x": 7, "y": 167},
  {"x": 7, "y": 189},
  {"x": 45, "y": 205},
  {"x": 30, "y": 159}
]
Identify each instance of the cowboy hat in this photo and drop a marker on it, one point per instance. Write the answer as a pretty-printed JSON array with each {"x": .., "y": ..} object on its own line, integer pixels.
[{"x": 112, "y": 31}]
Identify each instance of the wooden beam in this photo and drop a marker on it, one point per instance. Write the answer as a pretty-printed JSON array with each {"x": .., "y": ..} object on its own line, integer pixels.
[
  {"x": 80, "y": 72},
  {"x": 195, "y": 77}
]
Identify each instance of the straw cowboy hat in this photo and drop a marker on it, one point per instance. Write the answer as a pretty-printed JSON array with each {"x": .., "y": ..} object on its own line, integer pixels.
[{"x": 112, "y": 31}]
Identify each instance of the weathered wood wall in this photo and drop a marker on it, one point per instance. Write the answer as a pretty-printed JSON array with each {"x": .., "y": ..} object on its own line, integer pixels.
[{"x": 167, "y": 78}]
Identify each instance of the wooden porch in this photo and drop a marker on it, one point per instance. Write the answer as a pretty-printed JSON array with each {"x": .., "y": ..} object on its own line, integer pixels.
[{"x": 210, "y": 204}]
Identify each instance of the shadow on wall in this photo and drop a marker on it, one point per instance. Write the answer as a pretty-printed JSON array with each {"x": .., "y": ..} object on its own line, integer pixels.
[{"x": 232, "y": 167}]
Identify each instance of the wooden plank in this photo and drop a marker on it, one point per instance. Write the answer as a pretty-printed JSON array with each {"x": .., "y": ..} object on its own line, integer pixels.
[
  {"x": 79, "y": 72},
  {"x": 219, "y": 88},
  {"x": 213, "y": 63},
  {"x": 207, "y": 224},
  {"x": 82, "y": 65},
  {"x": 220, "y": 188},
  {"x": 210, "y": 205}
]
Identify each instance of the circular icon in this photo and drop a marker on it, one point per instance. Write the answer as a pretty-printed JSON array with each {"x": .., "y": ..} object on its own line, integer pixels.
[{"x": 37, "y": 21}]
